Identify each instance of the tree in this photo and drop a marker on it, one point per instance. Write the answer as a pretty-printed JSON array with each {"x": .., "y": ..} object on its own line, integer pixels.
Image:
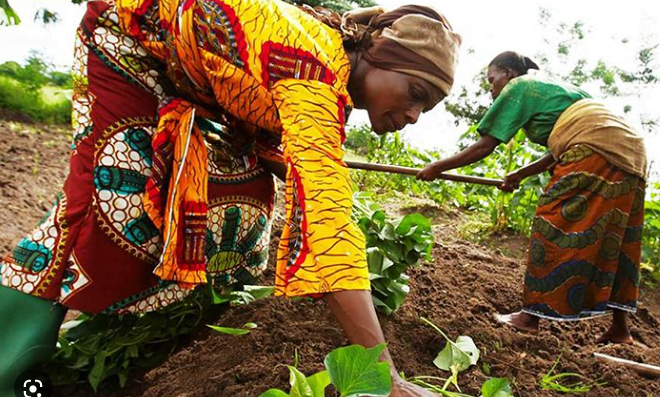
[
  {"x": 560, "y": 59},
  {"x": 340, "y": 6}
]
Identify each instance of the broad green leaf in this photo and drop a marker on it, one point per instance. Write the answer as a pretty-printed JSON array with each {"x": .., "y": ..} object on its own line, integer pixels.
[
  {"x": 387, "y": 233},
  {"x": 356, "y": 371},
  {"x": 496, "y": 387},
  {"x": 123, "y": 377},
  {"x": 451, "y": 356},
  {"x": 298, "y": 382},
  {"x": 387, "y": 263},
  {"x": 375, "y": 259},
  {"x": 458, "y": 355},
  {"x": 318, "y": 382},
  {"x": 65, "y": 346},
  {"x": 96, "y": 374},
  {"x": 259, "y": 291},
  {"x": 466, "y": 344},
  {"x": 274, "y": 393},
  {"x": 229, "y": 331},
  {"x": 410, "y": 223}
]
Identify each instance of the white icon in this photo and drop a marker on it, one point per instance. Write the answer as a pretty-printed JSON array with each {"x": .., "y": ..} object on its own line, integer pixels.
[{"x": 32, "y": 388}]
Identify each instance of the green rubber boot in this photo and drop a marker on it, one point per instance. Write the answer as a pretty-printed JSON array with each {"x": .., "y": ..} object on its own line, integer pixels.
[{"x": 28, "y": 332}]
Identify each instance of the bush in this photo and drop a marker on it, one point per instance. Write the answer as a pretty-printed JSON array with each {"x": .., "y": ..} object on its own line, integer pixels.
[{"x": 17, "y": 97}]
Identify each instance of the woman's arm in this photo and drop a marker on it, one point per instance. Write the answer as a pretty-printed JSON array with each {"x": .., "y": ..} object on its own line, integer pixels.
[
  {"x": 477, "y": 151},
  {"x": 356, "y": 314},
  {"x": 512, "y": 181}
]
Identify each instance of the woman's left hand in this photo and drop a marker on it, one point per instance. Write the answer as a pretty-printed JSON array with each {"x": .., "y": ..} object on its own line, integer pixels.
[
  {"x": 511, "y": 182},
  {"x": 430, "y": 172}
]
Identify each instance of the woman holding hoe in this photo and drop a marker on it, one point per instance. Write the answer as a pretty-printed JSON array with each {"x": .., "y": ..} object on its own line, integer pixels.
[
  {"x": 586, "y": 235},
  {"x": 180, "y": 109}
]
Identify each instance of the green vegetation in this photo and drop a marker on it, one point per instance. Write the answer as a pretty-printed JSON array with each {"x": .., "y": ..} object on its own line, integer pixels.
[
  {"x": 36, "y": 90},
  {"x": 392, "y": 247}
]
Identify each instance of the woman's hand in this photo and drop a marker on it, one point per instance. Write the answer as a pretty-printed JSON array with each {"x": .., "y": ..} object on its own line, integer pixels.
[
  {"x": 402, "y": 388},
  {"x": 511, "y": 181},
  {"x": 431, "y": 171}
]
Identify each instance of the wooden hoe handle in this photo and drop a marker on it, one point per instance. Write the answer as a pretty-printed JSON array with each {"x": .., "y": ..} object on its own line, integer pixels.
[{"x": 356, "y": 165}]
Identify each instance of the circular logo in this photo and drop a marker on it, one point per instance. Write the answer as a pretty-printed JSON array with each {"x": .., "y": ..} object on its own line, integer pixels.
[{"x": 33, "y": 383}]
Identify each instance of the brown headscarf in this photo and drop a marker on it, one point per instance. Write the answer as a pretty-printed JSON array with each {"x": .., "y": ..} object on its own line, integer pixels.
[
  {"x": 412, "y": 39},
  {"x": 415, "y": 40}
]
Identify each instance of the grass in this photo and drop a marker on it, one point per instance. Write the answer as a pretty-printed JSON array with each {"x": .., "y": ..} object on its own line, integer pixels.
[
  {"x": 567, "y": 382},
  {"x": 49, "y": 105}
]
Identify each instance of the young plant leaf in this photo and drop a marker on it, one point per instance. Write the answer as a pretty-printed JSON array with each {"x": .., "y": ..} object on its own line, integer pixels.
[
  {"x": 259, "y": 291},
  {"x": 229, "y": 331},
  {"x": 356, "y": 371},
  {"x": 274, "y": 393},
  {"x": 496, "y": 387},
  {"x": 318, "y": 382},
  {"x": 298, "y": 382},
  {"x": 460, "y": 354}
]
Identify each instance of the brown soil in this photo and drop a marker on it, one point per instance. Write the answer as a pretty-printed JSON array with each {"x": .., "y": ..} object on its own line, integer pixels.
[{"x": 458, "y": 289}]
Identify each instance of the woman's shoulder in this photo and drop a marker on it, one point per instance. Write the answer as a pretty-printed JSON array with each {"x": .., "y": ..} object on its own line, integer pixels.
[
  {"x": 291, "y": 43},
  {"x": 542, "y": 83}
]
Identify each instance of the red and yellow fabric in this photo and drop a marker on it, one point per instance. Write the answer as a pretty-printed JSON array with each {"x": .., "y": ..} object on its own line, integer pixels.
[
  {"x": 146, "y": 189},
  {"x": 286, "y": 68},
  {"x": 321, "y": 249}
]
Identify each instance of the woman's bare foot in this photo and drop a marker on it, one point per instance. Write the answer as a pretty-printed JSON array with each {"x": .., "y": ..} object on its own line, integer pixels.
[
  {"x": 619, "y": 331},
  {"x": 520, "y": 320},
  {"x": 615, "y": 336}
]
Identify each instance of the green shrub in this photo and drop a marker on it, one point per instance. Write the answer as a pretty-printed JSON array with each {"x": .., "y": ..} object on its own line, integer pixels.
[{"x": 15, "y": 96}]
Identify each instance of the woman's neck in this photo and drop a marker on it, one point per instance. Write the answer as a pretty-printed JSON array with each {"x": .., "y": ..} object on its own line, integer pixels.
[{"x": 356, "y": 78}]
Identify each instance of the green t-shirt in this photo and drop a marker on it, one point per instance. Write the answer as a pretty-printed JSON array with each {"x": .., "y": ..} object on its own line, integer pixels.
[{"x": 531, "y": 103}]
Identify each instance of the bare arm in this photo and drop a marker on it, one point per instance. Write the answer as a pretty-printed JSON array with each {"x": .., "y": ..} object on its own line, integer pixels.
[
  {"x": 475, "y": 152},
  {"x": 512, "y": 181},
  {"x": 536, "y": 167},
  {"x": 356, "y": 314}
]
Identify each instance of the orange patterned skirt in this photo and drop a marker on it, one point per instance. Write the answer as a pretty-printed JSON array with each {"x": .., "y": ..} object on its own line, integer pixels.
[{"x": 586, "y": 240}]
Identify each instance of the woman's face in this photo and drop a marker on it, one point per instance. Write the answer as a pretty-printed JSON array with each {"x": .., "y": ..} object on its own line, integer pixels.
[
  {"x": 498, "y": 78},
  {"x": 394, "y": 100}
]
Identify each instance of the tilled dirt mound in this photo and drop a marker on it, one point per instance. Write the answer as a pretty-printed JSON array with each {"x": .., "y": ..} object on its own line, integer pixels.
[
  {"x": 459, "y": 290},
  {"x": 33, "y": 164}
]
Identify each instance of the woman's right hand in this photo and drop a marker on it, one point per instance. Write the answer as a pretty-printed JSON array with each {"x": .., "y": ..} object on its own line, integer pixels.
[{"x": 402, "y": 388}]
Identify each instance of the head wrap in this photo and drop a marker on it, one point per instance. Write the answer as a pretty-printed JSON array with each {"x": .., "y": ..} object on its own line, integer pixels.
[{"x": 415, "y": 40}]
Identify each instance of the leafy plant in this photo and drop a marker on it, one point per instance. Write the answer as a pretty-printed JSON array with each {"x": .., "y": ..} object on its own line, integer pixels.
[
  {"x": 496, "y": 387},
  {"x": 106, "y": 346},
  {"x": 457, "y": 356},
  {"x": 247, "y": 328},
  {"x": 103, "y": 347},
  {"x": 392, "y": 247},
  {"x": 352, "y": 370},
  {"x": 651, "y": 237}
]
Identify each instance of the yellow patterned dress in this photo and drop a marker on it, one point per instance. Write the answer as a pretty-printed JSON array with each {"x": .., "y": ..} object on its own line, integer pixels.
[{"x": 175, "y": 103}]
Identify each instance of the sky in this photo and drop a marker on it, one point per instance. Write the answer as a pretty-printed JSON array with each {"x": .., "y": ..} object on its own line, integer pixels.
[{"x": 487, "y": 28}]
